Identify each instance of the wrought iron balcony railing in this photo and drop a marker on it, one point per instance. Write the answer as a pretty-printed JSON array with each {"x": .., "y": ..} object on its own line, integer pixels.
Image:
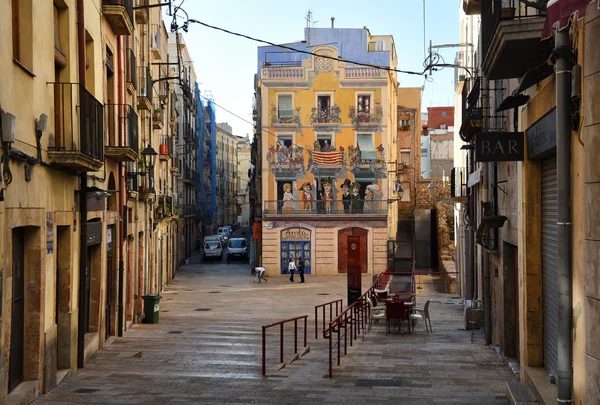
[
  {"x": 319, "y": 207},
  {"x": 144, "y": 82},
  {"x": 122, "y": 131},
  {"x": 79, "y": 125},
  {"x": 131, "y": 72},
  {"x": 329, "y": 115}
]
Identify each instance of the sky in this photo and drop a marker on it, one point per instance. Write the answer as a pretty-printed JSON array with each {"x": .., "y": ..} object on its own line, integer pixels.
[{"x": 225, "y": 64}]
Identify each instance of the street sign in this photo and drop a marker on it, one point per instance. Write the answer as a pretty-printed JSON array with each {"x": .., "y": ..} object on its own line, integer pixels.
[{"x": 499, "y": 146}]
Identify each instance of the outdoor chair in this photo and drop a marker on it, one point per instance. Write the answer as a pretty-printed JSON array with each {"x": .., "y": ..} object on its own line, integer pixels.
[
  {"x": 375, "y": 313},
  {"x": 381, "y": 293},
  {"x": 396, "y": 311},
  {"x": 417, "y": 314}
]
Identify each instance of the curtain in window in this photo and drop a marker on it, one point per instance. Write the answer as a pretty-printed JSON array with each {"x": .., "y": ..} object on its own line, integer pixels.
[
  {"x": 365, "y": 144},
  {"x": 285, "y": 108}
]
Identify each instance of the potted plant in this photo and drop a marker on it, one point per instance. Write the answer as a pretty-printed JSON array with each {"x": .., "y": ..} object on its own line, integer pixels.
[
  {"x": 508, "y": 12},
  {"x": 156, "y": 114}
]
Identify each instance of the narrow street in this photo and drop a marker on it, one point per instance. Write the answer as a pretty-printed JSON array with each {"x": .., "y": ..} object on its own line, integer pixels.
[{"x": 206, "y": 350}]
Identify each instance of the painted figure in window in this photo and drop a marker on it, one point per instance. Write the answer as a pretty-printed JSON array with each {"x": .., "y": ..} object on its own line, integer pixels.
[
  {"x": 346, "y": 196},
  {"x": 371, "y": 191},
  {"x": 356, "y": 204},
  {"x": 317, "y": 146},
  {"x": 327, "y": 195},
  {"x": 288, "y": 199},
  {"x": 326, "y": 146},
  {"x": 307, "y": 196}
]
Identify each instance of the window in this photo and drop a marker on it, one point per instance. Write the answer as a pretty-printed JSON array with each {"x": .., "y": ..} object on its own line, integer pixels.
[
  {"x": 22, "y": 31},
  {"x": 59, "y": 54},
  {"x": 285, "y": 140},
  {"x": 323, "y": 104},
  {"x": 424, "y": 152},
  {"x": 324, "y": 142},
  {"x": 285, "y": 108},
  {"x": 405, "y": 157},
  {"x": 365, "y": 144},
  {"x": 364, "y": 104},
  {"x": 444, "y": 113}
]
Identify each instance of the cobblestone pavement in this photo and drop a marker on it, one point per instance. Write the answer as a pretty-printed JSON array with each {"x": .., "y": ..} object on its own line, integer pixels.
[{"x": 206, "y": 349}]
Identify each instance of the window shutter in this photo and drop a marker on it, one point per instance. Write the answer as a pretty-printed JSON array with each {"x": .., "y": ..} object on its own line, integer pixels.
[
  {"x": 59, "y": 55},
  {"x": 285, "y": 108}
]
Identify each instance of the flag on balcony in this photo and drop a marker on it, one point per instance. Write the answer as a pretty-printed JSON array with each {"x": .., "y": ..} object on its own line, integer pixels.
[
  {"x": 559, "y": 12},
  {"x": 328, "y": 158}
]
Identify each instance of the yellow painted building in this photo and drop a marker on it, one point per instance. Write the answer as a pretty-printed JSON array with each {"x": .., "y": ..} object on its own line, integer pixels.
[{"x": 327, "y": 121}]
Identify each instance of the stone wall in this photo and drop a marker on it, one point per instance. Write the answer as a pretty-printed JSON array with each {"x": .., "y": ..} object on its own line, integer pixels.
[{"x": 424, "y": 198}]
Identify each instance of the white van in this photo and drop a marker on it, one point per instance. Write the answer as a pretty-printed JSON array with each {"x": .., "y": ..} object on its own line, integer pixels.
[
  {"x": 213, "y": 249},
  {"x": 224, "y": 231},
  {"x": 214, "y": 237}
]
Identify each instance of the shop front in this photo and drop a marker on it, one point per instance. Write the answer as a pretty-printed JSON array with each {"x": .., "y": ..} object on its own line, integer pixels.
[{"x": 296, "y": 242}]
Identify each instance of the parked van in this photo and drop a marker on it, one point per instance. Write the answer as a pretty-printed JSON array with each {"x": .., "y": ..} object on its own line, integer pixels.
[
  {"x": 214, "y": 237},
  {"x": 213, "y": 249},
  {"x": 237, "y": 247}
]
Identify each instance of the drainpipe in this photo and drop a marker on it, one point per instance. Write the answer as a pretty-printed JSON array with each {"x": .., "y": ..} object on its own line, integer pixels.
[
  {"x": 122, "y": 191},
  {"x": 82, "y": 315},
  {"x": 562, "y": 55}
]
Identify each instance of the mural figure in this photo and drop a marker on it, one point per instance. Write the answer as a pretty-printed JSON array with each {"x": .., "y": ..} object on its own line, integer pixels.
[
  {"x": 327, "y": 195},
  {"x": 346, "y": 197},
  {"x": 288, "y": 199},
  {"x": 356, "y": 204},
  {"x": 371, "y": 191},
  {"x": 307, "y": 196}
]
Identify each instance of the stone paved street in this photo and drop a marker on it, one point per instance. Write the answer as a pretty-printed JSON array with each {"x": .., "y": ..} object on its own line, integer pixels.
[{"x": 206, "y": 350}]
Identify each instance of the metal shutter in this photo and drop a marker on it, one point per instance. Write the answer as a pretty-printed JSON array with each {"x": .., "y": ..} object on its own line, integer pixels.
[{"x": 549, "y": 265}]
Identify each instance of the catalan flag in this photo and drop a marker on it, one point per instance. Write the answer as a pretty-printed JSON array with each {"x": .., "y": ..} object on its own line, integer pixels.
[{"x": 328, "y": 158}]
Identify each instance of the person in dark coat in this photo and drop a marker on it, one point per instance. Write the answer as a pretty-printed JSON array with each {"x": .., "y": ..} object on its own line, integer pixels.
[
  {"x": 346, "y": 196},
  {"x": 300, "y": 268},
  {"x": 356, "y": 205}
]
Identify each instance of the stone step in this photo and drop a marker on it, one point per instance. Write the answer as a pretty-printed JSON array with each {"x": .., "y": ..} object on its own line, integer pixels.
[{"x": 519, "y": 393}]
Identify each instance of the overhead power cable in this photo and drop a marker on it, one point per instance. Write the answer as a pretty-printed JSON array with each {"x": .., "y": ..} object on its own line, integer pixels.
[{"x": 408, "y": 72}]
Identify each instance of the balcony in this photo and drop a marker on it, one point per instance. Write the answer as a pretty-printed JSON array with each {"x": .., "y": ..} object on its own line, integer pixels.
[
  {"x": 131, "y": 72},
  {"x": 291, "y": 71},
  {"x": 165, "y": 150},
  {"x": 157, "y": 42},
  {"x": 158, "y": 114},
  {"x": 79, "y": 135},
  {"x": 191, "y": 177},
  {"x": 122, "y": 129},
  {"x": 144, "y": 98},
  {"x": 163, "y": 85},
  {"x": 366, "y": 120},
  {"x": 342, "y": 209},
  {"x": 510, "y": 35},
  {"x": 141, "y": 11},
  {"x": 458, "y": 184},
  {"x": 285, "y": 119},
  {"x": 119, "y": 14},
  {"x": 325, "y": 117},
  {"x": 472, "y": 7}
]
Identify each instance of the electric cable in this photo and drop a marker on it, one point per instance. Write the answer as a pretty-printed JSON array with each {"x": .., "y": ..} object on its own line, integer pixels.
[{"x": 408, "y": 72}]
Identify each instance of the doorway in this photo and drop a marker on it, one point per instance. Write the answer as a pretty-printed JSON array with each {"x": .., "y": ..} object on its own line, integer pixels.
[
  {"x": 17, "y": 332},
  {"x": 160, "y": 264},
  {"x": 63, "y": 292},
  {"x": 343, "y": 248},
  {"x": 511, "y": 301},
  {"x": 110, "y": 278}
]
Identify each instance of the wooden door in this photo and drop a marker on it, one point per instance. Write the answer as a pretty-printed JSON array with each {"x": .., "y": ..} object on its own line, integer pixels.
[
  {"x": 17, "y": 335},
  {"x": 109, "y": 284},
  {"x": 343, "y": 248}
]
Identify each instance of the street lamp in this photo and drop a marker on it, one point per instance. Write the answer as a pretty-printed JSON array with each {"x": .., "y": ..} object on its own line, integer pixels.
[{"x": 149, "y": 155}]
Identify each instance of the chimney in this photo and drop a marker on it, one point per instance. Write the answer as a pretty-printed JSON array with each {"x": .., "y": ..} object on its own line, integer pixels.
[{"x": 332, "y": 20}]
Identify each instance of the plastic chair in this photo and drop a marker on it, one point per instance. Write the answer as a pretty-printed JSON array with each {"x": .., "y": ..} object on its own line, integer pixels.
[
  {"x": 396, "y": 310},
  {"x": 381, "y": 293},
  {"x": 422, "y": 313}
]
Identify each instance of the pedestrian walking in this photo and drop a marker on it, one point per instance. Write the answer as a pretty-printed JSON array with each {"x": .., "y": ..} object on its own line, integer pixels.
[
  {"x": 301, "y": 270},
  {"x": 259, "y": 274},
  {"x": 291, "y": 268}
]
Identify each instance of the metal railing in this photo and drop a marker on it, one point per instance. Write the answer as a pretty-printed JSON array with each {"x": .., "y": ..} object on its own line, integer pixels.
[
  {"x": 494, "y": 11},
  {"x": 128, "y": 4},
  {"x": 281, "y": 338},
  {"x": 166, "y": 145},
  {"x": 144, "y": 82},
  {"x": 337, "y": 304},
  {"x": 339, "y": 207},
  {"x": 122, "y": 123},
  {"x": 131, "y": 66},
  {"x": 79, "y": 121}
]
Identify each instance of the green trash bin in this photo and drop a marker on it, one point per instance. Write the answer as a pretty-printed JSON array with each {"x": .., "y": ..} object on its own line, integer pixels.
[{"x": 151, "y": 307}]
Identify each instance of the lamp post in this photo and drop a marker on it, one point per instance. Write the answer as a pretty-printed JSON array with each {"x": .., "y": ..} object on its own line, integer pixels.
[{"x": 149, "y": 155}]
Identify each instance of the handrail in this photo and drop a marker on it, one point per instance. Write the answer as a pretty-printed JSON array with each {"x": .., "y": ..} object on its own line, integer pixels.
[
  {"x": 281, "y": 323},
  {"x": 339, "y": 304}
]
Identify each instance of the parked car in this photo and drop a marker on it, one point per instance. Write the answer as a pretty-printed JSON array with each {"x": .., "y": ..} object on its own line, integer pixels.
[
  {"x": 224, "y": 230},
  {"x": 237, "y": 247},
  {"x": 213, "y": 249},
  {"x": 220, "y": 238}
]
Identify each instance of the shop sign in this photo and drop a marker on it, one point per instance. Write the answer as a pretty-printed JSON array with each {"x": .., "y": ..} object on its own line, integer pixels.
[
  {"x": 499, "y": 146},
  {"x": 541, "y": 137},
  {"x": 295, "y": 234}
]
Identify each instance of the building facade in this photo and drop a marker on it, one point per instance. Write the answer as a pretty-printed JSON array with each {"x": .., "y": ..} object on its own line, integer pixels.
[
  {"x": 244, "y": 173},
  {"x": 531, "y": 227},
  {"x": 86, "y": 210},
  {"x": 326, "y": 130},
  {"x": 226, "y": 174}
]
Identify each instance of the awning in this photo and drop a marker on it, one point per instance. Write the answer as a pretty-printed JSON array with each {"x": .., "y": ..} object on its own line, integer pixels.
[
  {"x": 558, "y": 13},
  {"x": 365, "y": 144}
]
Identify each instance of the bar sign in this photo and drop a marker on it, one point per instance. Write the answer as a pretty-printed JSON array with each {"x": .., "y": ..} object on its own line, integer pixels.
[{"x": 499, "y": 146}]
